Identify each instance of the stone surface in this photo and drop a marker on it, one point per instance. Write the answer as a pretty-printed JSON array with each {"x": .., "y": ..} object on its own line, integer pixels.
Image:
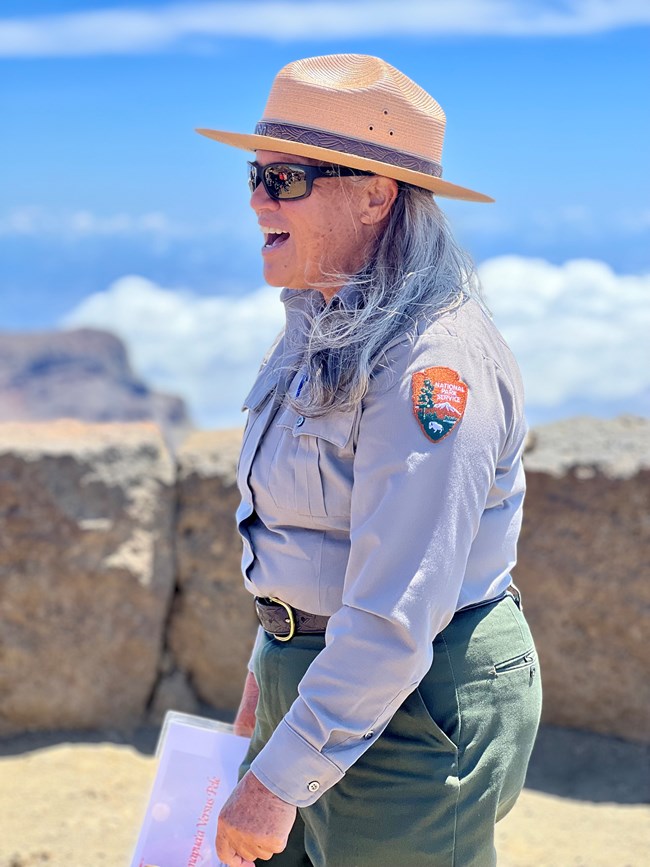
[
  {"x": 92, "y": 548},
  {"x": 213, "y": 625},
  {"x": 583, "y": 569},
  {"x": 86, "y": 572},
  {"x": 614, "y": 448},
  {"x": 173, "y": 692},
  {"x": 84, "y": 374}
]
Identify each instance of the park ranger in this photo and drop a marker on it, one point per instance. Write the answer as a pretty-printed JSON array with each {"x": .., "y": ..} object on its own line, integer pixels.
[{"x": 393, "y": 697}]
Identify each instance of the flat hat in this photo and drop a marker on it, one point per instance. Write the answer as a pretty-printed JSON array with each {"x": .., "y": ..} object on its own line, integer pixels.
[{"x": 357, "y": 111}]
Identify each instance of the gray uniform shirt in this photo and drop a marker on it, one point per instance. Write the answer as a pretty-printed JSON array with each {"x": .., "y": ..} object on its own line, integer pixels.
[{"x": 389, "y": 518}]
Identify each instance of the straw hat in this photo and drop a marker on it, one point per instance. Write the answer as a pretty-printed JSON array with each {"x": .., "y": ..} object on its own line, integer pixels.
[{"x": 355, "y": 111}]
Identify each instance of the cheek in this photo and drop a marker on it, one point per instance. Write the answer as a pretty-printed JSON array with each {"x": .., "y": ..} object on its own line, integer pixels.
[
  {"x": 326, "y": 236},
  {"x": 313, "y": 243},
  {"x": 342, "y": 246}
]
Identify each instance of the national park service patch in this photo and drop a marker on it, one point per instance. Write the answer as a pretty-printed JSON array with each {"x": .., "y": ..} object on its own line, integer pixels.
[{"x": 439, "y": 399}]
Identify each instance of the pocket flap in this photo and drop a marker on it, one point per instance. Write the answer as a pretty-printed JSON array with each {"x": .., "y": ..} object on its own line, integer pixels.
[{"x": 335, "y": 427}]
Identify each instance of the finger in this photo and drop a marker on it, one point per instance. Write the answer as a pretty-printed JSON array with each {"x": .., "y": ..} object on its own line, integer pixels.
[
  {"x": 226, "y": 853},
  {"x": 240, "y": 855},
  {"x": 262, "y": 852},
  {"x": 253, "y": 852}
]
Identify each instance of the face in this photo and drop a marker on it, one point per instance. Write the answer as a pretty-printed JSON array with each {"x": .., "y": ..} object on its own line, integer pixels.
[{"x": 322, "y": 234}]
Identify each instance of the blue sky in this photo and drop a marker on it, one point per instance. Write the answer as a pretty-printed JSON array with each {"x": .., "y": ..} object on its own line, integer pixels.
[{"x": 105, "y": 181}]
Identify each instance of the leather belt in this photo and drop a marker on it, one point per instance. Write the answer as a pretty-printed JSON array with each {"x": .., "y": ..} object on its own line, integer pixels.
[{"x": 282, "y": 621}]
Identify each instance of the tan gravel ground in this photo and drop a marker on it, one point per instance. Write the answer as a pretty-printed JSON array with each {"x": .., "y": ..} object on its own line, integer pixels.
[{"x": 79, "y": 804}]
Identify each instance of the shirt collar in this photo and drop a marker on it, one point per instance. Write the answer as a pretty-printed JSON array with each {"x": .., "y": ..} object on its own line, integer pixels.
[
  {"x": 310, "y": 301},
  {"x": 300, "y": 307},
  {"x": 350, "y": 296}
]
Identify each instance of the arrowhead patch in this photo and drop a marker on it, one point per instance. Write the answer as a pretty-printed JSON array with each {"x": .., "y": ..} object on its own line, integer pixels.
[{"x": 439, "y": 399}]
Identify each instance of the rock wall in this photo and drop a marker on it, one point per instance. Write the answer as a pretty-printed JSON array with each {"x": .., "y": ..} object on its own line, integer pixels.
[
  {"x": 583, "y": 569},
  {"x": 120, "y": 590},
  {"x": 212, "y": 625},
  {"x": 86, "y": 572}
]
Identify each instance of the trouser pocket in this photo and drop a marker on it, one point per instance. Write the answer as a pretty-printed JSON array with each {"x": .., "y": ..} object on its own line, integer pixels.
[{"x": 526, "y": 660}]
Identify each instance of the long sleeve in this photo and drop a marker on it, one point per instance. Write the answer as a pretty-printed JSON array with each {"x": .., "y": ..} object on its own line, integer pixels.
[{"x": 420, "y": 510}]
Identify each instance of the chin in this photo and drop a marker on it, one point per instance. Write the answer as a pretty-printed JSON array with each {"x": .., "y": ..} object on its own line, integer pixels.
[{"x": 273, "y": 279}]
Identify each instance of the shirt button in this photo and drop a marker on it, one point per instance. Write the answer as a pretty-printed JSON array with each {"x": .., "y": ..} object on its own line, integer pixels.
[
  {"x": 369, "y": 735},
  {"x": 300, "y": 420},
  {"x": 314, "y": 786}
]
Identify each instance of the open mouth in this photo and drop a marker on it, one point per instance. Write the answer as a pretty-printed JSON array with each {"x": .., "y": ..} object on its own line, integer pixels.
[{"x": 274, "y": 237}]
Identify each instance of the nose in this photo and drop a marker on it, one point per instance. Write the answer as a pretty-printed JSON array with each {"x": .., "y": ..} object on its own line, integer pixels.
[{"x": 261, "y": 201}]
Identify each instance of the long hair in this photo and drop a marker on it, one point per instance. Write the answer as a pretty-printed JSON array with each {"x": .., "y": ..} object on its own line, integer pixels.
[{"x": 415, "y": 270}]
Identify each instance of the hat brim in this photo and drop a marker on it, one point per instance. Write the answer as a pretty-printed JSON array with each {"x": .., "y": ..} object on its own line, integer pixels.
[{"x": 252, "y": 142}]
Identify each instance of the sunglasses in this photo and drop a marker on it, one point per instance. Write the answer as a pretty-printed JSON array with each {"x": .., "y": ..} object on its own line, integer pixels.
[{"x": 289, "y": 181}]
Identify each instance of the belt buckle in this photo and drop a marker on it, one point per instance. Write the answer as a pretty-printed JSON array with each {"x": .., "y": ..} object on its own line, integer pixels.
[{"x": 292, "y": 620}]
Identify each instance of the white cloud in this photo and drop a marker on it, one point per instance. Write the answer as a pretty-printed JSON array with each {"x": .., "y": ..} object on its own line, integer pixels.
[
  {"x": 549, "y": 226},
  {"x": 206, "y": 349},
  {"x": 39, "y": 222},
  {"x": 579, "y": 331},
  {"x": 136, "y": 30},
  {"x": 552, "y": 224}
]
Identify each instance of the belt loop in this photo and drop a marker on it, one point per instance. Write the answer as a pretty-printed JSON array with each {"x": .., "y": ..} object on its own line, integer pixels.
[{"x": 515, "y": 592}]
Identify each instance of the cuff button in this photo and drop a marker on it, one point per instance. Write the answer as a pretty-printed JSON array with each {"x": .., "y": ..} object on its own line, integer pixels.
[
  {"x": 369, "y": 735},
  {"x": 314, "y": 786}
]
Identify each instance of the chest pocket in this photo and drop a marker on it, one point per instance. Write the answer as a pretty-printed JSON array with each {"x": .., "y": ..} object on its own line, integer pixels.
[{"x": 310, "y": 472}]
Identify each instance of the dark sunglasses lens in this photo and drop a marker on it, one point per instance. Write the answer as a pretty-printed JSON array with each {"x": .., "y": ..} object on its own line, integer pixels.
[{"x": 284, "y": 182}]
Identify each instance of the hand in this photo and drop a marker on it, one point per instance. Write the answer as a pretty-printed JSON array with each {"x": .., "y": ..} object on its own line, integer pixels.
[
  {"x": 245, "y": 719},
  {"x": 254, "y": 823}
]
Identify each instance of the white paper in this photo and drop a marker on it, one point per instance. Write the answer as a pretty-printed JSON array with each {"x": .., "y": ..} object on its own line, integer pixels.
[{"x": 198, "y": 761}]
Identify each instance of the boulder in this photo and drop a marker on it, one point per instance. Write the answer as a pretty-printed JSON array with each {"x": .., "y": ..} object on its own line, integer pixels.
[
  {"x": 583, "y": 570},
  {"x": 83, "y": 373},
  {"x": 86, "y": 572},
  {"x": 213, "y": 625},
  {"x": 173, "y": 692}
]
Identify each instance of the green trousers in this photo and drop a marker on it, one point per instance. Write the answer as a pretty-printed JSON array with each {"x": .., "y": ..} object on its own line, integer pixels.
[{"x": 450, "y": 764}]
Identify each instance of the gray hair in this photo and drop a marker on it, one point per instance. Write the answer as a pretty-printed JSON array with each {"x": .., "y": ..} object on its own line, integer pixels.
[{"x": 416, "y": 269}]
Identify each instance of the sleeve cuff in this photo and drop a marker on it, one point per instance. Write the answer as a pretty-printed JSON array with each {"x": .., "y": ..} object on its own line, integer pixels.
[{"x": 293, "y": 770}]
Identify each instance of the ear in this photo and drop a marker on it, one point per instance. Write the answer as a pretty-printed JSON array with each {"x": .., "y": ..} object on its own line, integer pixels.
[{"x": 378, "y": 196}]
